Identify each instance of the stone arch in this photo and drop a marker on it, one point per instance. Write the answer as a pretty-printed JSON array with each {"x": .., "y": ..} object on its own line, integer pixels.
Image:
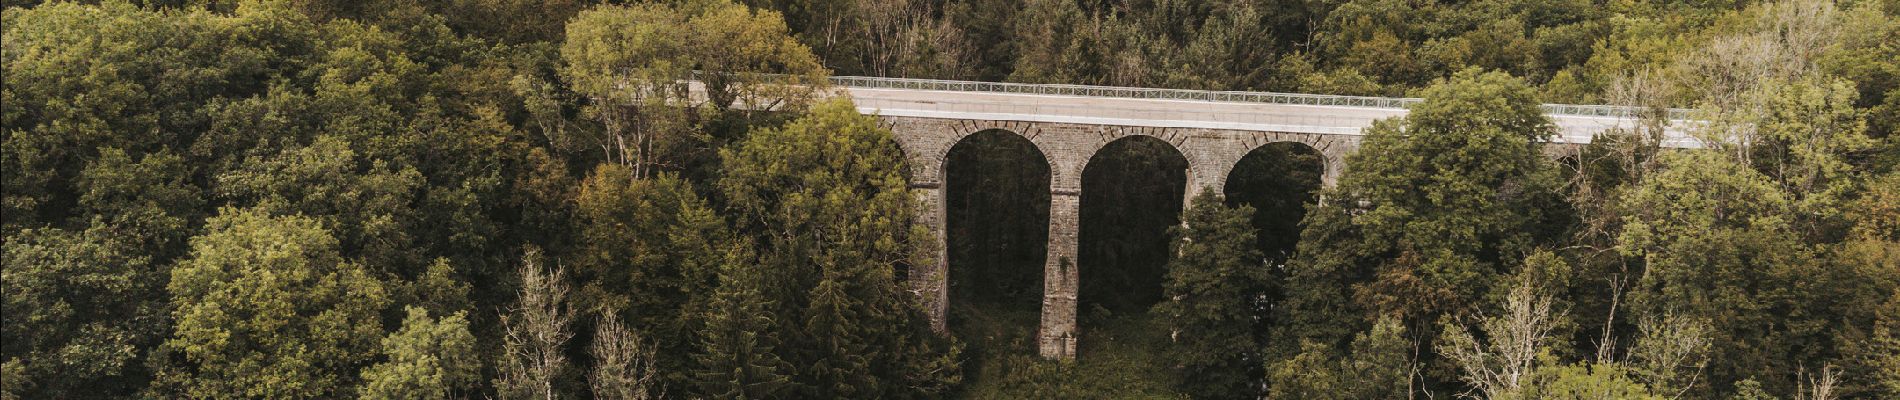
[
  {"x": 1174, "y": 139},
  {"x": 1214, "y": 153},
  {"x": 1133, "y": 190},
  {"x": 1006, "y": 242},
  {"x": 1025, "y": 130},
  {"x": 1100, "y": 136},
  {"x": 1228, "y": 166},
  {"x": 1278, "y": 179},
  {"x": 927, "y": 142}
]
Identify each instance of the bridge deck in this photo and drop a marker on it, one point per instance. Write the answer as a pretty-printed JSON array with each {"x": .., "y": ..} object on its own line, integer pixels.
[{"x": 1330, "y": 115}]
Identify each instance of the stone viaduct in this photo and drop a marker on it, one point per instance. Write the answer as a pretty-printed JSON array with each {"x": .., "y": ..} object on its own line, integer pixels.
[{"x": 1068, "y": 124}]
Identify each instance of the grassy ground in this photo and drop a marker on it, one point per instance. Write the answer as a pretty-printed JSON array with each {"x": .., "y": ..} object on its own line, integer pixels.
[{"x": 1119, "y": 357}]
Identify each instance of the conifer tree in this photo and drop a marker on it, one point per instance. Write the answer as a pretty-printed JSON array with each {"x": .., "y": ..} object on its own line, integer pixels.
[
  {"x": 841, "y": 355},
  {"x": 650, "y": 251},
  {"x": 736, "y": 358},
  {"x": 1215, "y": 288}
]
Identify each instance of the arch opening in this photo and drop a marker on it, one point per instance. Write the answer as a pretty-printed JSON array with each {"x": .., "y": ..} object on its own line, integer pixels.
[
  {"x": 1278, "y": 180},
  {"x": 996, "y": 206},
  {"x": 1132, "y": 192}
]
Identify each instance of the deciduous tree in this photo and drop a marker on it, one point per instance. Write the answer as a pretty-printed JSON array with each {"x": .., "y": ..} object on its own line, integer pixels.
[
  {"x": 834, "y": 223},
  {"x": 1436, "y": 207},
  {"x": 81, "y": 309},
  {"x": 267, "y": 307},
  {"x": 623, "y": 363},
  {"x": 534, "y": 358},
  {"x": 637, "y": 65},
  {"x": 1380, "y": 364},
  {"x": 429, "y": 358}
]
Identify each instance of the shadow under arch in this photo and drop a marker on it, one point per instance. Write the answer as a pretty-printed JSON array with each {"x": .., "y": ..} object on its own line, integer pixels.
[
  {"x": 1132, "y": 192},
  {"x": 1279, "y": 180},
  {"x": 996, "y": 206}
]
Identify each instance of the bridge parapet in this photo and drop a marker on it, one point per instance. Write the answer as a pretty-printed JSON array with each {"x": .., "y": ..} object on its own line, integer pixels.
[
  {"x": 867, "y": 82},
  {"x": 1170, "y": 108}
]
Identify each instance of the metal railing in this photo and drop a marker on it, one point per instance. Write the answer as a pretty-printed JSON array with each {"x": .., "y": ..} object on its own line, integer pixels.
[
  {"x": 1569, "y": 130},
  {"x": 1122, "y": 92},
  {"x": 871, "y": 82},
  {"x": 1210, "y": 95},
  {"x": 1284, "y": 121}
]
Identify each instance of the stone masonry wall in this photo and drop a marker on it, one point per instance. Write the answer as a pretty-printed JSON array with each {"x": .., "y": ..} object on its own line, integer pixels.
[{"x": 1211, "y": 155}]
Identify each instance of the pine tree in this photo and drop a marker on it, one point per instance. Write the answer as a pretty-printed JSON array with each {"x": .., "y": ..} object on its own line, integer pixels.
[
  {"x": 651, "y": 250},
  {"x": 736, "y": 358},
  {"x": 1215, "y": 288},
  {"x": 839, "y": 351}
]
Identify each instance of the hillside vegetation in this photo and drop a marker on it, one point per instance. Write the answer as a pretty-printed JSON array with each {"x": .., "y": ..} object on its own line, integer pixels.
[{"x": 522, "y": 199}]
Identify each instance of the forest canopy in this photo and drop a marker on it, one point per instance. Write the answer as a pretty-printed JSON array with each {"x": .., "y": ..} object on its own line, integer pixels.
[{"x": 525, "y": 199}]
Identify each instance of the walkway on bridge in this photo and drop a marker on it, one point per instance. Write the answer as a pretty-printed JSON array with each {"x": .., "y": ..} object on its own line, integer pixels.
[{"x": 1174, "y": 108}]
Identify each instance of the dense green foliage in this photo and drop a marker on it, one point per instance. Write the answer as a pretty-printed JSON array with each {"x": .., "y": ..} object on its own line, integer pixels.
[
  {"x": 1277, "y": 180},
  {"x": 1435, "y": 207},
  {"x": 1215, "y": 287},
  {"x": 429, "y": 358},
  {"x": 266, "y": 307},
  {"x": 827, "y": 199},
  {"x": 524, "y": 199}
]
